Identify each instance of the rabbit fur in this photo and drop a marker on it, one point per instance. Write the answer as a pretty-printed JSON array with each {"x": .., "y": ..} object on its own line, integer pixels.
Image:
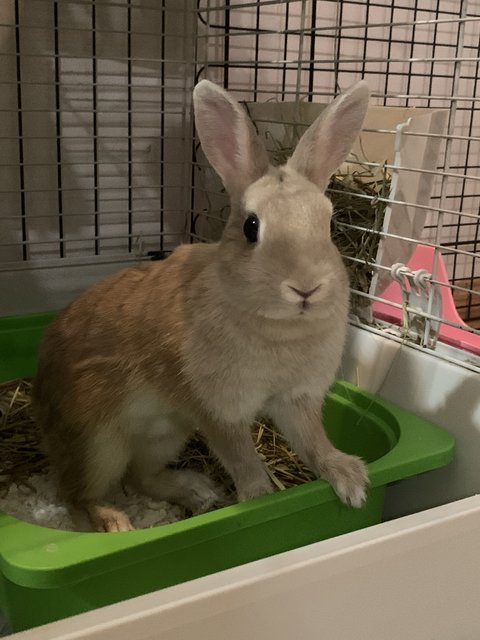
[{"x": 212, "y": 336}]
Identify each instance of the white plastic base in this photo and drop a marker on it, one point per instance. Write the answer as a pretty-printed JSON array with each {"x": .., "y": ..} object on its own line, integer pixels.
[{"x": 415, "y": 578}]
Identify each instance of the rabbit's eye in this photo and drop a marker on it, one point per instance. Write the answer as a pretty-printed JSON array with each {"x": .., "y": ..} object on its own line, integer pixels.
[{"x": 251, "y": 227}]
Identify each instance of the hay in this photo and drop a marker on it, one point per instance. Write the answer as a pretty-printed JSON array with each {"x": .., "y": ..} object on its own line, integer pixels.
[
  {"x": 358, "y": 200},
  {"x": 21, "y": 455},
  {"x": 281, "y": 463}
]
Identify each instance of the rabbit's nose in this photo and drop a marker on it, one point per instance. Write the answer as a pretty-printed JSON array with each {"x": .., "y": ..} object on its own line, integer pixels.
[{"x": 304, "y": 294}]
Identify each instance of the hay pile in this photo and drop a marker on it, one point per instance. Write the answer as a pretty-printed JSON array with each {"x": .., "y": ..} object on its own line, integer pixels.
[
  {"x": 355, "y": 196},
  {"x": 282, "y": 465},
  {"x": 20, "y": 453},
  {"x": 23, "y": 465}
]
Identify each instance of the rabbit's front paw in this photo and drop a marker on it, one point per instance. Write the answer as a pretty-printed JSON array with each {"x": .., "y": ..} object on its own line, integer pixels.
[{"x": 347, "y": 475}]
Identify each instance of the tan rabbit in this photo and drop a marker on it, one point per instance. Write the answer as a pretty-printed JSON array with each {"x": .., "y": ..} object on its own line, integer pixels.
[{"x": 212, "y": 336}]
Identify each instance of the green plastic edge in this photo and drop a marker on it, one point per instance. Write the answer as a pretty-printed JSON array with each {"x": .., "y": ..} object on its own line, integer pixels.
[{"x": 34, "y": 556}]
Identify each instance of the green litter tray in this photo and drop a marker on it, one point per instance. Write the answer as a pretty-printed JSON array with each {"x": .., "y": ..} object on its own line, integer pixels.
[{"x": 48, "y": 574}]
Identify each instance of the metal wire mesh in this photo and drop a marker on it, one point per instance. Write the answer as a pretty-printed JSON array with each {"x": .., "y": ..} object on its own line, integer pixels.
[
  {"x": 99, "y": 161},
  {"x": 421, "y": 54},
  {"x": 93, "y": 122}
]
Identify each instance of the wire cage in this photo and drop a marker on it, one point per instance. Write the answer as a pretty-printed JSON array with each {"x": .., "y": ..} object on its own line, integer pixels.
[{"x": 101, "y": 168}]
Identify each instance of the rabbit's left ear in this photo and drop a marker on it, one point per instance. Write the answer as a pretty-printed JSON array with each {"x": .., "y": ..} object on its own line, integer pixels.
[
  {"x": 228, "y": 138},
  {"x": 329, "y": 140}
]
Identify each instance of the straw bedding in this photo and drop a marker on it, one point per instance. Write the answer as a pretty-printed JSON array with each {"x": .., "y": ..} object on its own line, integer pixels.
[{"x": 27, "y": 488}]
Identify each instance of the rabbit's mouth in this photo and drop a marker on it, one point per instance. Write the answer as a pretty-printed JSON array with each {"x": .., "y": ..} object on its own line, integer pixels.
[{"x": 304, "y": 305}]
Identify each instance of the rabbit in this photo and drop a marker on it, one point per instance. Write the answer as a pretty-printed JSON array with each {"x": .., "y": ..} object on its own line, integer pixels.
[{"x": 213, "y": 335}]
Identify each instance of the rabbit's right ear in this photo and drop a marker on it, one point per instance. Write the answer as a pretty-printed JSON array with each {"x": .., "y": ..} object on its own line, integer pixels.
[
  {"x": 228, "y": 137},
  {"x": 328, "y": 141}
]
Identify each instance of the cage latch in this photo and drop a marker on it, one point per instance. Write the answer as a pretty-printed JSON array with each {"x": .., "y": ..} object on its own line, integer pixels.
[{"x": 421, "y": 304}]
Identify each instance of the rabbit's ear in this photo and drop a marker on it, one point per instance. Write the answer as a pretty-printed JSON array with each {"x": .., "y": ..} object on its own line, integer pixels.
[
  {"x": 329, "y": 140},
  {"x": 228, "y": 137}
]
